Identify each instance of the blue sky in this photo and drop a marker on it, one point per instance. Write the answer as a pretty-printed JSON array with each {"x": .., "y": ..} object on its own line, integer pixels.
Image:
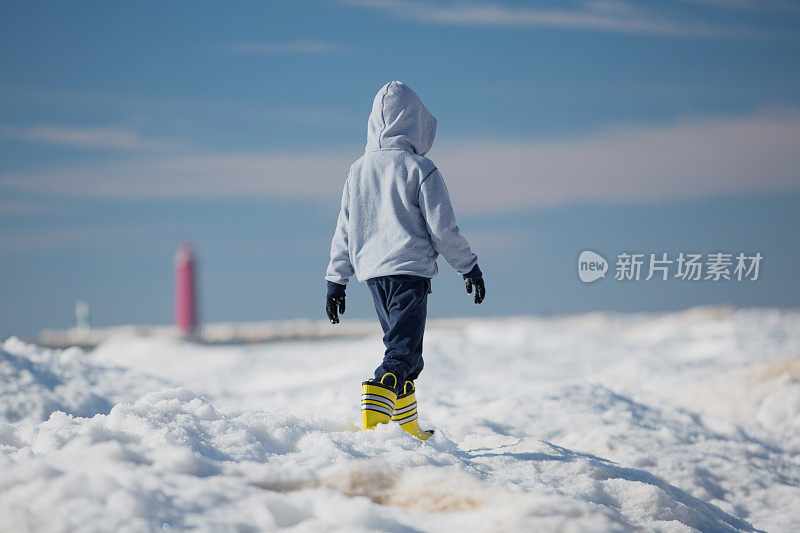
[{"x": 128, "y": 127}]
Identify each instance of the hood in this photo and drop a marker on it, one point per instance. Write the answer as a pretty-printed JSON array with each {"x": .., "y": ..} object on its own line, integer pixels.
[{"x": 399, "y": 119}]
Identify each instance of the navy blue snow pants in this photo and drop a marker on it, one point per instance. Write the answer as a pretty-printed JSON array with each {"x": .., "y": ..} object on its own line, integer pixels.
[{"x": 402, "y": 306}]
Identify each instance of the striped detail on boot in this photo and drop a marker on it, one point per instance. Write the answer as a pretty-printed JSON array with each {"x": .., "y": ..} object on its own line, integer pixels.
[
  {"x": 405, "y": 412},
  {"x": 377, "y": 401}
]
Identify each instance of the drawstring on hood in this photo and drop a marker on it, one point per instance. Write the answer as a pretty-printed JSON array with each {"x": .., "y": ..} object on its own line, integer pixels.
[{"x": 400, "y": 120}]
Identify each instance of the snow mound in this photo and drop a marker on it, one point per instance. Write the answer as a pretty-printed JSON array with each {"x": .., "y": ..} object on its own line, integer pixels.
[
  {"x": 173, "y": 459},
  {"x": 35, "y": 382},
  {"x": 768, "y": 393},
  {"x": 610, "y": 422},
  {"x": 780, "y": 403}
]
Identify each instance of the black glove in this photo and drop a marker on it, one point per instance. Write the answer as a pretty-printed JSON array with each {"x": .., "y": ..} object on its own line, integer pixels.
[
  {"x": 474, "y": 278},
  {"x": 334, "y": 304},
  {"x": 480, "y": 290}
]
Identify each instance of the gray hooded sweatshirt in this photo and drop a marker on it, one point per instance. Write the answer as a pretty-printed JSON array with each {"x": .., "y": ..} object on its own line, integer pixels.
[{"x": 396, "y": 216}]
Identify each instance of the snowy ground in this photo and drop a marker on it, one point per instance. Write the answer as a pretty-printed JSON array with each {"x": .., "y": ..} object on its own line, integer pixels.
[{"x": 593, "y": 422}]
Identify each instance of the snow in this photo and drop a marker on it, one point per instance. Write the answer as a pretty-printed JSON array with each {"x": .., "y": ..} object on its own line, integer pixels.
[{"x": 612, "y": 422}]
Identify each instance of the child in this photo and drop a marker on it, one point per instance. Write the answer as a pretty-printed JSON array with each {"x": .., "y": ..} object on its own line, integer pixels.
[{"x": 396, "y": 218}]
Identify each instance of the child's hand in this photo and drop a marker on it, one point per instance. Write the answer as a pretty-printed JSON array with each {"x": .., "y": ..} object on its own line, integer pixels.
[
  {"x": 480, "y": 289},
  {"x": 334, "y": 304},
  {"x": 474, "y": 278}
]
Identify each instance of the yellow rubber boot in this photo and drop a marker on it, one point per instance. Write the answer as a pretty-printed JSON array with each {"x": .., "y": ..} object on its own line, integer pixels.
[
  {"x": 377, "y": 401},
  {"x": 405, "y": 413}
]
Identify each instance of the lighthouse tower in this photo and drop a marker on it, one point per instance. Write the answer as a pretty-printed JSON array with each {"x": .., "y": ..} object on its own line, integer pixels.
[{"x": 185, "y": 290}]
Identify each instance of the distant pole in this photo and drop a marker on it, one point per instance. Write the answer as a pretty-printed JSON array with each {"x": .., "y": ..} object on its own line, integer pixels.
[
  {"x": 82, "y": 316},
  {"x": 185, "y": 296}
]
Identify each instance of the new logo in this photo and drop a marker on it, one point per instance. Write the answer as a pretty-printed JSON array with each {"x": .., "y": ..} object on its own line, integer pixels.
[{"x": 591, "y": 266}]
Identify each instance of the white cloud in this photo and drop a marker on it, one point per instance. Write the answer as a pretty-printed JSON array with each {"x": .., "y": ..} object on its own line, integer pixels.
[
  {"x": 755, "y": 5},
  {"x": 193, "y": 175},
  {"x": 87, "y": 138},
  {"x": 24, "y": 207},
  {"x": 684, "y": 159},
  {"x": 308, "y": 47},
  {"x": 600, "y": 15},
  {"x": 690, "y": 158}
]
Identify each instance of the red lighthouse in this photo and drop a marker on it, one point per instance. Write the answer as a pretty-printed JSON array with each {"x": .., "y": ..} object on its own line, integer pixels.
[{"x": 185, "y": 290}]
